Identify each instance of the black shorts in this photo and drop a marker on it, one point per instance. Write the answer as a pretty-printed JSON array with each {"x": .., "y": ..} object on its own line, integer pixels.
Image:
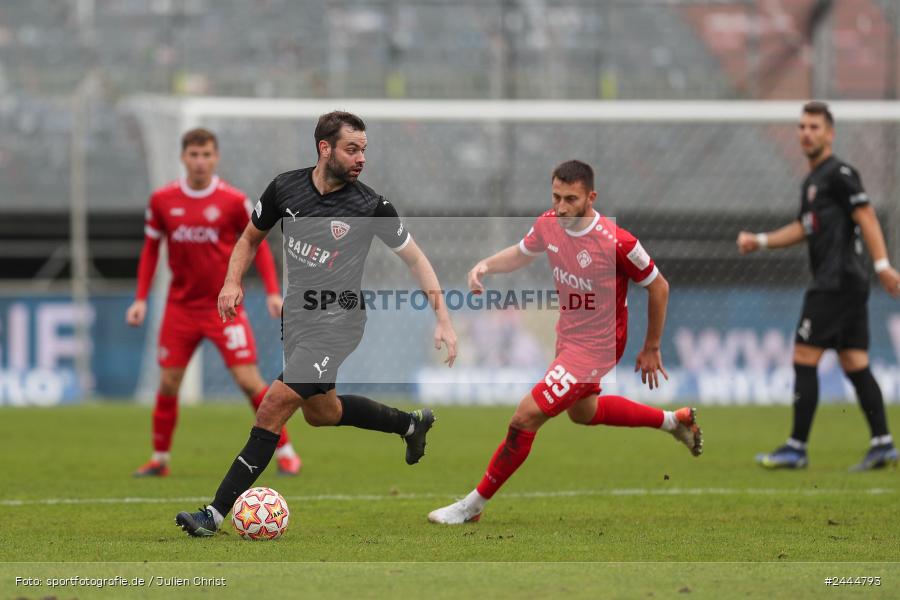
[
  {"x": 311, "y": 362},
  {"x": 838, "y": 320}
]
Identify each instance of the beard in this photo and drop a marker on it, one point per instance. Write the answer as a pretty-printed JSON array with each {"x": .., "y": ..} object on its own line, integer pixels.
[
  {"x": 815, "y": 152},
  {"x": 571, "y": 221},
  {"x": 337, "y": 172}
]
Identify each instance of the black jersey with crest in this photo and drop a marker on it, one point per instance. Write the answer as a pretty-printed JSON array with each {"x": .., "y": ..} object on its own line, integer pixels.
[{"x": 326, "y": 241}]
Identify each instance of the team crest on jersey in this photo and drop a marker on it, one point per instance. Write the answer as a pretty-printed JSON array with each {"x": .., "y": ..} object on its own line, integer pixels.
[
  {"x": 339, "y": 229},
  {"x": 584, "y": 258},
  {"x": 811, "y": 193},
  {"x": 212, "y": 213}
]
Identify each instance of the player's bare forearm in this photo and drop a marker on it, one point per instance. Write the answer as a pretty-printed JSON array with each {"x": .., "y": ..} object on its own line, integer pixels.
[
  {"x": 427, "y": 279},
  {"x": 649, "y": 359},
  {"x": 231, "y": 295},
  {"x": 421, "y": 268},
  {"x": 265, "y": 266},
  {"x": 507, "y": 260},
  {"x": 657, "y": 305},
  {"x": 423, "y": 272},
  {"x": 865, "y": 217},
  {"x": 789, "y": 235}
]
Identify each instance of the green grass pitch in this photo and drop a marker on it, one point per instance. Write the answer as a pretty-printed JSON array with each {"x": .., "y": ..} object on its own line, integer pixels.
[{"x": 594, "y": 512}]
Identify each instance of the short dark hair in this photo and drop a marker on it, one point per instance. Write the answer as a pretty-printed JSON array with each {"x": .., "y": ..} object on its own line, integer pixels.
[
  {"x": 198, "y": 137},
  {"x": 573, "y": 171},
  {"x": 817, "y": 107},
  {"x": 329, "y": 126}
]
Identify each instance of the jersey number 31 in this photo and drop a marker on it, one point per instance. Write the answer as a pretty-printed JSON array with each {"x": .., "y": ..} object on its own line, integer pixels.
[{"x": 236, "y": 337}]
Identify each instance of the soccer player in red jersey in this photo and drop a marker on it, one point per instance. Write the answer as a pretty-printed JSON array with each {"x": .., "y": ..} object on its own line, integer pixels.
[
  {"x": 586, "y": 251},
  {"x": 201, "y": 218}
]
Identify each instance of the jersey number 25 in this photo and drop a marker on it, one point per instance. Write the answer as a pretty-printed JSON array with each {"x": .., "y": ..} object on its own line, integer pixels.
[{"x": 559, "y": 381}]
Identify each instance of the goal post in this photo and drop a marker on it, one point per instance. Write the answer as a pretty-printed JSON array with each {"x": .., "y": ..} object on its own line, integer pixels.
[{"x": 194, "y": 108}]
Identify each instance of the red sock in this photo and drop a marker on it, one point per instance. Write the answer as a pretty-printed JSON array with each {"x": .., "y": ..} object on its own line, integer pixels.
[
  {"x": 509, "y": 456},
  {"x": 622, "y": 412},
  {"x": 256, "y": 401},
  {"x": 165, "y": 415}
]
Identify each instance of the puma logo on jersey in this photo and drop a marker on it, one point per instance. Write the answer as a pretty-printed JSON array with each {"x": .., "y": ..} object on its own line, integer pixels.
[
  {"x": 293, "y": 215},
  {"x": 246, "y": 464}
]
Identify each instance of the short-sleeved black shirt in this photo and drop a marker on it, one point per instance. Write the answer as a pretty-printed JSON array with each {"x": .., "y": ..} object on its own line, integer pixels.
[
  {"x": 828, "y": 197},
  {"x": 326, "y": 240}
]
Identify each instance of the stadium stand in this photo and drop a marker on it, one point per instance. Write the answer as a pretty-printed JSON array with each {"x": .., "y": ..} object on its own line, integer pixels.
[{"x": 431, "y": 49}]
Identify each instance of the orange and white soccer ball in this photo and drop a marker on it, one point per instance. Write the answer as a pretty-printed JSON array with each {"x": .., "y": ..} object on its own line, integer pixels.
[{"x": 260, "y": 514}]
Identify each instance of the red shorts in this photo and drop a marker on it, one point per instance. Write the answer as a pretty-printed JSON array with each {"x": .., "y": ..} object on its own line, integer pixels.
[
  {"x": 184, "y": 328},
  {"x": 574, "y": 374}
]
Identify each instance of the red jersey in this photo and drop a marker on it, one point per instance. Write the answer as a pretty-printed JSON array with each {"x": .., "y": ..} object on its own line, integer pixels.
[
  {"x": 201, "y": 228},
  {"x": 596, "y": 262}
]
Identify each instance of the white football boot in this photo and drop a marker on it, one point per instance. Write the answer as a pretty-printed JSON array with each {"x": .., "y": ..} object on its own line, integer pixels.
[{"x": 457, "y": 513}]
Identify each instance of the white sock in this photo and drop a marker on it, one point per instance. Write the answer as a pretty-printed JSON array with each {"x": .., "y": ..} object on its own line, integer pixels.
[
  {"x": 882, "y": 440},
  {"x": 218, "y": 518},
  {"x": 670, "y": 422},
  {"x": 162, "y": 457},
  {"x": 796, "y": 444},
  {"x": 286, "y": 450},
  {"x": 476, "y": 500}
]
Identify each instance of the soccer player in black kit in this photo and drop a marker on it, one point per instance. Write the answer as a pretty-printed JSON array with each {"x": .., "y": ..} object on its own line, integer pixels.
[
  {"x": 329, "y": 220},
  {"x": 835, "y": 218}
]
